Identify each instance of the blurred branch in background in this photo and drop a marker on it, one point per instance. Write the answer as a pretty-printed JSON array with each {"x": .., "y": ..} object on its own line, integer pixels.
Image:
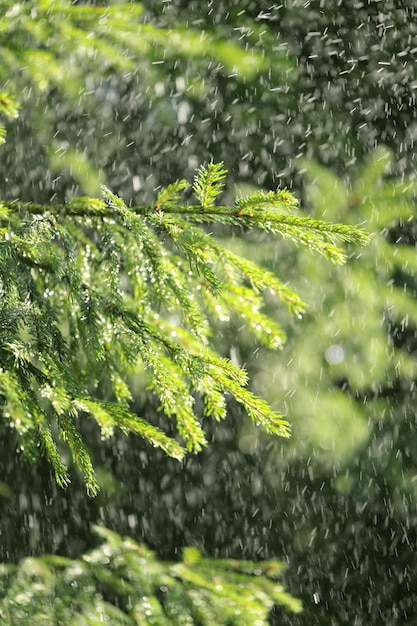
[
  {"x": 121, "y": 582},
  {"x": 107, "y": 92}
]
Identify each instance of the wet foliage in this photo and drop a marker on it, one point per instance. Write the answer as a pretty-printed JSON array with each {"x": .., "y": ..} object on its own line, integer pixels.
[
  {"x": 326, "y": 107},
  {"x": 121, "y": 582},
  {"x": 94, "y": 290}
]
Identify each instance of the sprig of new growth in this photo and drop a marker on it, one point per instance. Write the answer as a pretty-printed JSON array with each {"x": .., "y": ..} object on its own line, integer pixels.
[
  {"x": 94, "y": 291},
  {"x": 208, "y": 184}
]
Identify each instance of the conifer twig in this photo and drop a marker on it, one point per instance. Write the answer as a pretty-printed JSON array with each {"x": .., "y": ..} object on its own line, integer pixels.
[{"x": 93, "y": 289}]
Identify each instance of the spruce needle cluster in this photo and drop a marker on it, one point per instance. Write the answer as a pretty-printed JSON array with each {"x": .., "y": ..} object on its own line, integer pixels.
[{"x": 93, "y": 289}]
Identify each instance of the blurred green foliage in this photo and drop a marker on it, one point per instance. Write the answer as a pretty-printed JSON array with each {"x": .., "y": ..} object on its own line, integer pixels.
[
  {"x": 121, "y": 582},
  {"x": 135, "y": 97},
  {"x": 345, "y": 347}
]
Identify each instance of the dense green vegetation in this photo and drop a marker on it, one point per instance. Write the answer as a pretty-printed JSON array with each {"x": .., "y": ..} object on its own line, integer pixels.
[{"x": 307, "y": 97}]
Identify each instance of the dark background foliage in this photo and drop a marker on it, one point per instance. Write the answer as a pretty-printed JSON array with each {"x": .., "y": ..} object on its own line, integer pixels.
[{"x": 338, "y": 81}]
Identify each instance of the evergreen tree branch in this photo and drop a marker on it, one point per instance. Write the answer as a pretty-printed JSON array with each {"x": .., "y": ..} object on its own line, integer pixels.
[
  {"x": 93, "y": 289},
  {"x": 121, "y": 582}
]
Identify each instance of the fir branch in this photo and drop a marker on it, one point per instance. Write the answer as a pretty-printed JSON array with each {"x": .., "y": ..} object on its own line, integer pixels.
[
  {"x": 315, "y": 235},
  {"x": 92, "y": 288},
  {"x": 14, "y": 402},
  {"x": 119, "y": 582},
  {"x": 247, "y": 305},
  {"x": 257, "y": 409},
  {"x": 70, "y": 434},
  {"x": 264, "y": 201},
  {"x": 261, "y": 279},
  {"x": 175, "y": 396},
  {"x": 194, "y": 355},
  {"x": 213, "y": 398},
  {"x": 170, "y": 194},
  {"x": 259, "y": 215},
  {"x": 109, "y": 415},
  {"x": 208, "y": 183},
  {"x": 50, "y": 450},
  {"x": 196, "y": 246}
]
